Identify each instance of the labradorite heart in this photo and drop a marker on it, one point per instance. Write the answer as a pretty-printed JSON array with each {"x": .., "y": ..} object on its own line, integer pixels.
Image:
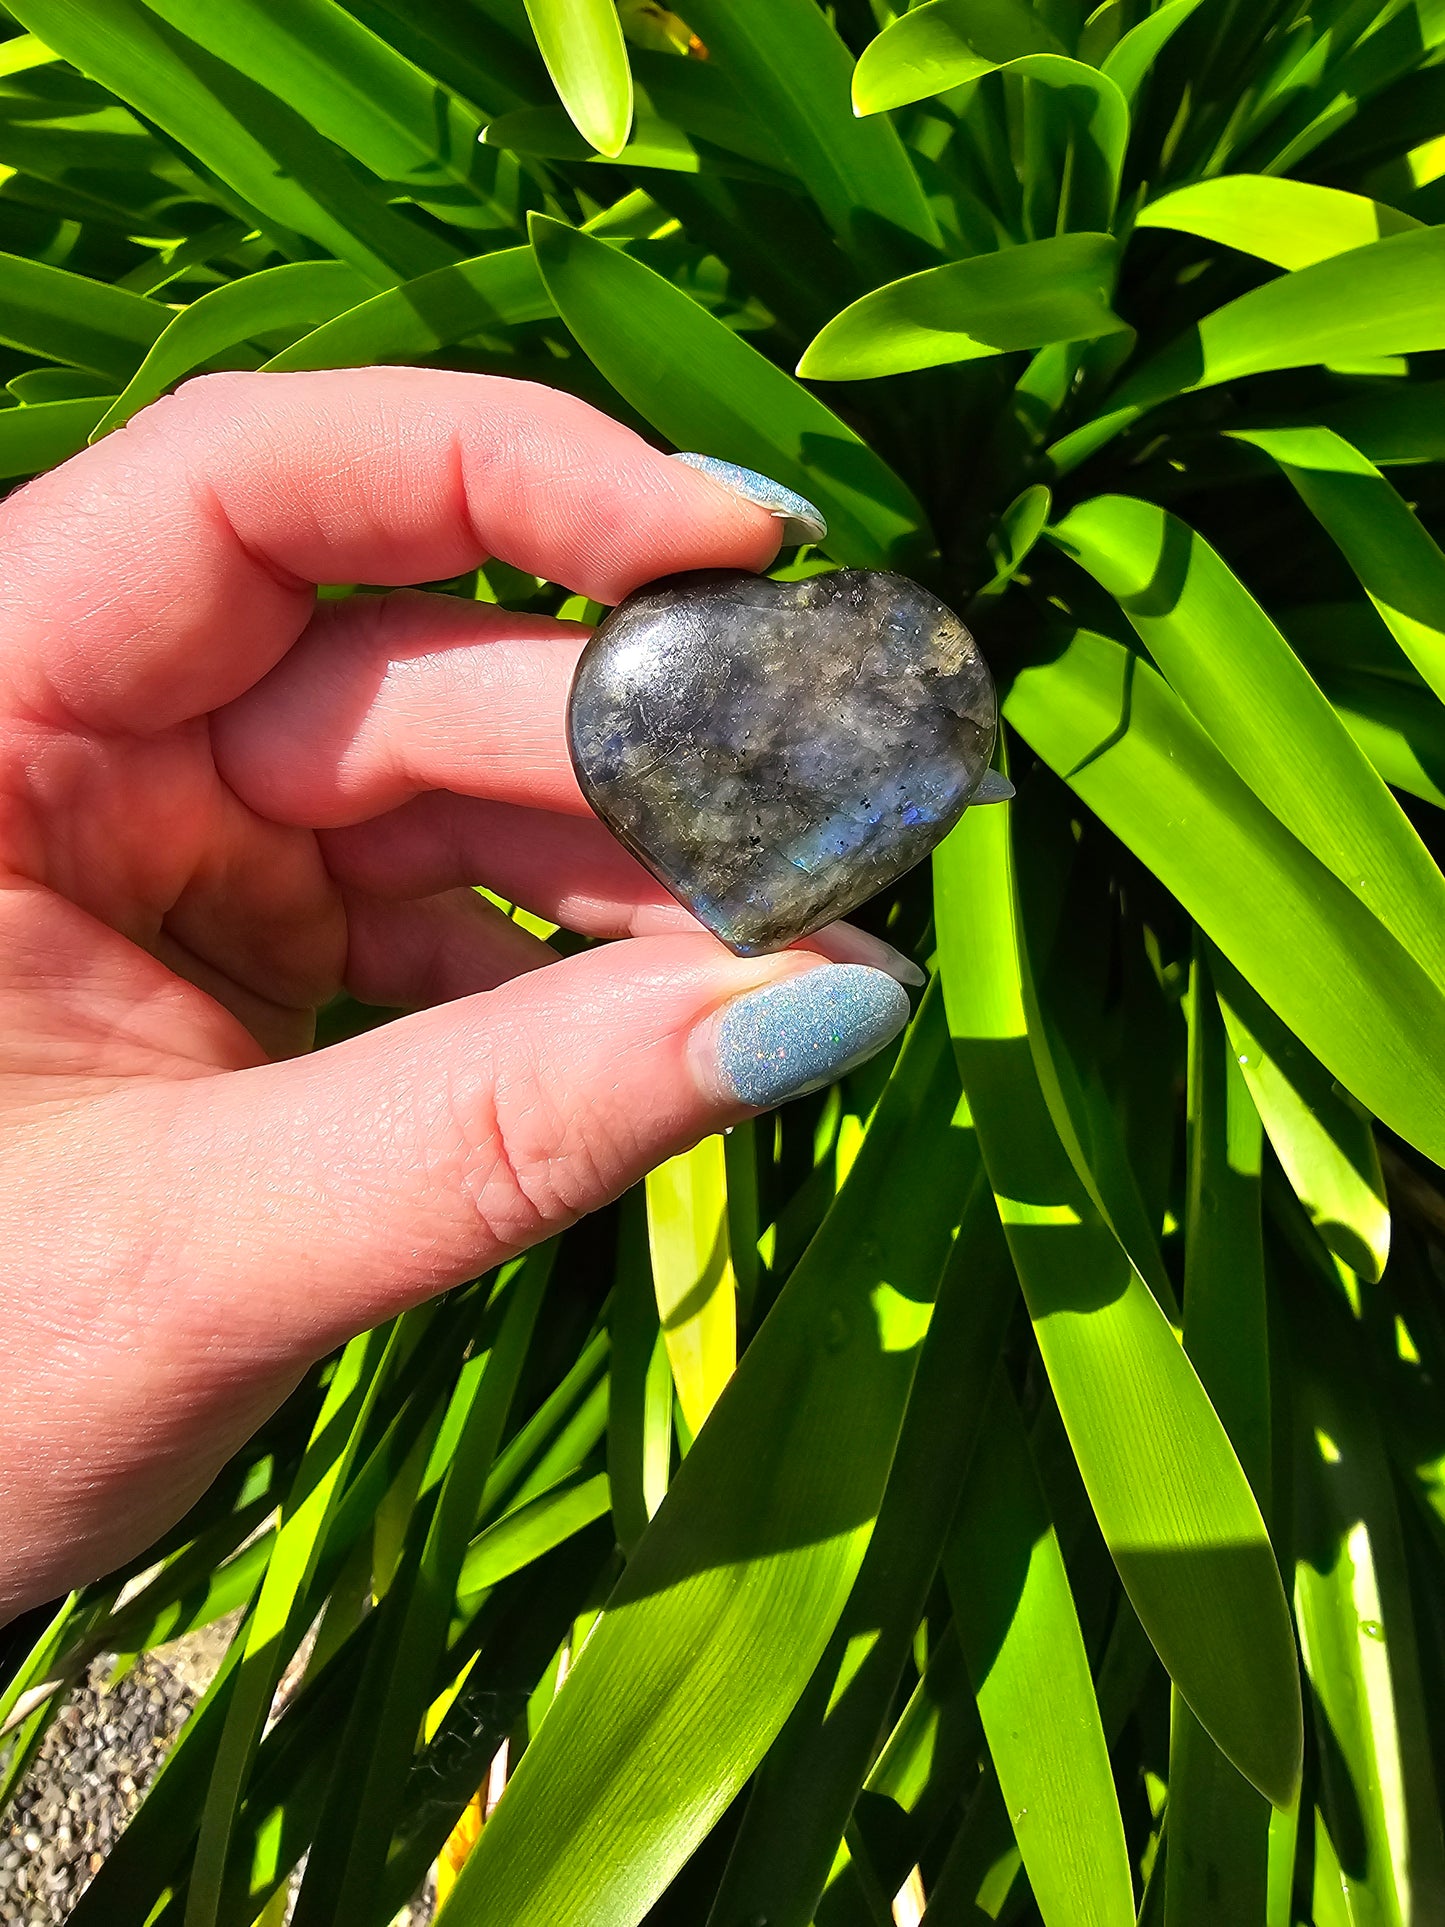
[{"x": 776, "y": 752}]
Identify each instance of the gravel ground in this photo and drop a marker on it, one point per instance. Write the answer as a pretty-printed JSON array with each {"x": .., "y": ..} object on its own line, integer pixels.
[{"x": 100, "y": 1754}]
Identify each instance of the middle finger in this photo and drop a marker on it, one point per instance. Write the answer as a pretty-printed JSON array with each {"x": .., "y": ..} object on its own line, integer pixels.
[{"x": 385, "y": 697}]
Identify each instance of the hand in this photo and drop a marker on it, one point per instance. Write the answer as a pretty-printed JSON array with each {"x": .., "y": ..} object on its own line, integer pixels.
[{"x": 222, "y": 803}]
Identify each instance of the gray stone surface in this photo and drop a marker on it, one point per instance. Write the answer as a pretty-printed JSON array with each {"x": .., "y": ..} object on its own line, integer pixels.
[{"x": 777, "y": 752}]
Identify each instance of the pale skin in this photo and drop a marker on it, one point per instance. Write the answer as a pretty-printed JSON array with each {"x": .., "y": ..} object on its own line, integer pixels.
[{"x": 220, "y": 804}]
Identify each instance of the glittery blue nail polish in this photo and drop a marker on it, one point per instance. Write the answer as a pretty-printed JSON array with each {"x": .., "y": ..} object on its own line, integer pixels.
[
  {"x": 797, "y": 1035},
  {"x": 801, "y": 521}
]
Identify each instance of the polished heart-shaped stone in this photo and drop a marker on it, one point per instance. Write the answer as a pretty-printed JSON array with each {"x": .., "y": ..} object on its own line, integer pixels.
[{"x": 777, "y": 752}]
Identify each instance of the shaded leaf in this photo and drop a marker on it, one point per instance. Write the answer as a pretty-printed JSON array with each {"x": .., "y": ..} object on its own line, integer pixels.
[
  {"x": 1110, "y": 725},
  {"x": 1021, "y": 1639},
  {"x": 754, "y": 1551},
  {"x": 1242, "y": 680},
  {"x": 1385, "y": 299},
  {"x": 1400, "y": 565},
  {"x": 1172, "y": 1503},
  {"x": 1324, "y": 1143},
  {"x": 707, "y": 389}
]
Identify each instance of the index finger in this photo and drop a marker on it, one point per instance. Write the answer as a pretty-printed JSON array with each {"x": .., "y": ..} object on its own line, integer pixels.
[{"x": 162, "y": 572}]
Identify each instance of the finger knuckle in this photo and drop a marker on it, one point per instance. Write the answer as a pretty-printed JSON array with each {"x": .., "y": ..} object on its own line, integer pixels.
[{"x": 533, "y": 1166}]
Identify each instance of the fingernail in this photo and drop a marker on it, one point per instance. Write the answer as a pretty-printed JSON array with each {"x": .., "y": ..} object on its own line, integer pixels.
[
  {"x": 797, "y": 1035},
  {"x": 846, "y": 943},
  {"x": 801, "y": 521}
]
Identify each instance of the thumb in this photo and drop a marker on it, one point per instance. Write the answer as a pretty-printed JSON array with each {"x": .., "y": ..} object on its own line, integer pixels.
[{"x": 341, "y": 1187}]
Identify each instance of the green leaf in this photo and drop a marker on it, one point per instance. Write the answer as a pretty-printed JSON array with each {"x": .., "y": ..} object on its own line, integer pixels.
[
  {"x": 707, "y": 389},
  {"x": 349, "y": 1852},
  {"x": 1385, "y": 299},
  {"x": 809, "y": 1782},
  {"x": 66, "y": 317},
  {"x": 1110, "y": 725},
  {"x": 549, "y": 134},
  {"x": 43, "y": 433},
  {"x": 1242, "y": 680},
  {"x": 1358, "y": 1635},
  {"x": 942, "y": 44},
  {"x": 639, "y": 1406},
  {"x": 753, "y": 1552},
  {"x": 1398, "y": 421},
  {"x": 1053, "y": 290},
  {"x": 1019, "y": 528},
  {"x": 581, "y": 42},
  {"x": 522, "y": 1536},
  {"x": 1217, "y": 1863},
  {"x": 1398, "y": 561},
  {"x": 1171, "y": 1500},
  {"x": 1402, "y": 734},
  {"x": 402, "y": 125},
  {"x": 1074, "y": 129},
  {"x": 275, "y": 1627},
  {"x": 297, "y": 295},
  {"x": 692, "y": 1274},
  {"x": 500, "y": 290},
  {"x": 785, "y": 58},
  {"x": 267, "y": 152},
  {"x": 1020, "y": 1636},
  {"x": 1290, "y": 223},
  {"x": 1129, "y": 62},
  {"x": 1323, "y": 1142}
]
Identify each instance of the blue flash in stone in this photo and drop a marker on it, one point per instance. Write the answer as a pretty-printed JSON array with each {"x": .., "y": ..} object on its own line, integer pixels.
[{"x": 777, "y": 752}]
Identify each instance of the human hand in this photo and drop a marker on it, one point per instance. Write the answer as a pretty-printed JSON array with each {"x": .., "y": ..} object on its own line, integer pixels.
[{"x": 222, "y": 803}]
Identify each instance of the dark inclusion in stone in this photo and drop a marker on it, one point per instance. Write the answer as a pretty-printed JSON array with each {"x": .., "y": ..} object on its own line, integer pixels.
[{"x": 776, "y": 752}]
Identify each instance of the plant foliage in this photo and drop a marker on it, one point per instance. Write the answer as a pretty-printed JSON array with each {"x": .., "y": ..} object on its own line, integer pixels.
[{"x": 1010, "y": 1486}]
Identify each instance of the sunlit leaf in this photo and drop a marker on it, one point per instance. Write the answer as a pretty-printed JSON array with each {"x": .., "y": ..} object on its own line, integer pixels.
[
  {"x": 1289, "y": 223},
  {"x": 1055, "y": 290},
  {"x": 1174, "y": 1507},
  {"x": 581, "y": 42}
]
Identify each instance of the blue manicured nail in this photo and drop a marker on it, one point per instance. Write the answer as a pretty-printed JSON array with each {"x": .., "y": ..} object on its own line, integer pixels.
[
  {"x": 801, "y": 521},
  {"x": 797, "y": 1035}
]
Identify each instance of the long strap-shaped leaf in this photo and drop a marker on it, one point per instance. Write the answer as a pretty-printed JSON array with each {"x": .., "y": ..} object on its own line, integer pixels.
[
  {"x": 708, "y": 389},
  {"x": 581, "y": 42},
  {"x": 1242, "y": 680},
  {"x": 274, "y": 1630},
  {"x": 943, "y": 44},
  {"x": 1053, "y": 290},
  {"x": 260, "y": 146},
  {"x": 809, "y": 1782},
  {"x": 692, "y": 1274},
  {"x": 1021, "y": 1639},
  {"x": 1322, "y": 1140},
  {"x": 299, "y": 294},
  {"x": 734, "y": 1588},
  {"x": 1385, "y": 299},
  {"x": 1399, "y": 563},
  {"x": 437, "y": 310},
  {"x": 1175, "y": 1509},
  {"x": 403, "y": 125},
  {"x": 70, "y": 318},
  {"x": 1290, "y": 223},
  {"x": 348, "y": 1855},
  {"x": 786, "y": 57},
  {"x": 1110, "y": 725},
  {"x": 1217, "y": 1866}
]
